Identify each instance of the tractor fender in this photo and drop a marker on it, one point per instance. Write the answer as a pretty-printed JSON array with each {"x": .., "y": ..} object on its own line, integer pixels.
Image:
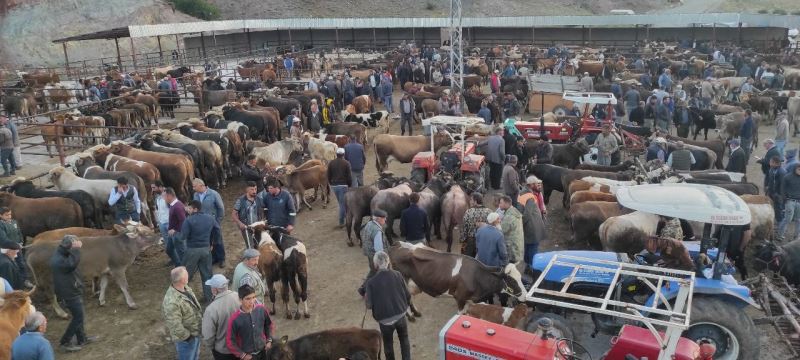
[{"x": 735, "y": 294}]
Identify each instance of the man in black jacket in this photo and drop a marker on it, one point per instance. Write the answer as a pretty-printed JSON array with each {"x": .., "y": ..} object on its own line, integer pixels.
[
  {"x": 772, "y": 151},
  {"x": 388, "y": 298},
  {"x": 737, "y": 161},
  {"x": 340, "y": 176},
  {"x": 68, "y": 287},
  {"x": 9, "y": 269},
  {"x": 251, "y": 173},
  {"x": 414, "y": 224},
  {"x": 636, "y": 115}
]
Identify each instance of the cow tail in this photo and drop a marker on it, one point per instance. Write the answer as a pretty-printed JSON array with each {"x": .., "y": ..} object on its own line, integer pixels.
[{"x": 377, "y": 157}]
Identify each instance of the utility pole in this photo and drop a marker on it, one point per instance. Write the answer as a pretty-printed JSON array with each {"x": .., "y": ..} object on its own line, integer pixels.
[{"x": 456, "y": 56}]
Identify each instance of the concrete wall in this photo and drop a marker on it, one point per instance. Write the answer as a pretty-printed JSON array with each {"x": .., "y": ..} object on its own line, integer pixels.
[{"x": 483, "y": 37}]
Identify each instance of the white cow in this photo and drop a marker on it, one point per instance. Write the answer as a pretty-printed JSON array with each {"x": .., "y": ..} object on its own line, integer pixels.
[
  {"x": 618, "y": 233},
  {"x": 277, "y": 153}
]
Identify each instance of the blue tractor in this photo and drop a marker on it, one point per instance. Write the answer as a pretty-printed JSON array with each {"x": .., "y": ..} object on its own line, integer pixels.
[{"x": 717, "y": 302}]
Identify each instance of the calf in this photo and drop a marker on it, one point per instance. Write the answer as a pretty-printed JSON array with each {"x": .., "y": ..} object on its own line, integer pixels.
[
  {"x": 784, "y": 259},
  {"x": 329, "y": 344},
  {"x": 570, "y": 175},
  {"x": 312, "y": 174},
  {"x": 393, "y": 201},
  {"x": 277, "y": 153},
  {"x": 460, "y": 276},
  {"x": 357, "y": 203},
  {"x": 319, "y": 149},
  {"x": 512, "y": 317},
  {"x": 38, "y": 215},
  {"x": 16, "y": 306},
  {"x": 270, "y": 259},
  {"x": 368, "y": 120},
  {"x": 101, "y": 256}
]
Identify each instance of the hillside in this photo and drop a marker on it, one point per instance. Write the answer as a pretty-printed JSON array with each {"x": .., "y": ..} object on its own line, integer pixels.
[{"x": 29, "y": 26}]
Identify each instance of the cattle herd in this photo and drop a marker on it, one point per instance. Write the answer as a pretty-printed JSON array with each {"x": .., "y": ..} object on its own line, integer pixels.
[{"x": 123, "y": 138}]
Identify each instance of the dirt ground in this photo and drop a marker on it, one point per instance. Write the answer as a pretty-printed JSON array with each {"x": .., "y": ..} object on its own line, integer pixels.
[{"x": 335, "y": 271}]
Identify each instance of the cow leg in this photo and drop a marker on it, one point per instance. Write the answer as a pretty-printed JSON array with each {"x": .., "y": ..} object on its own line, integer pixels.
[
  {"x": 285, "y": 295},
  {"x": 122, "y": 281},
  {"x": 413, "y": 289},
  {"x": 348, "y": 224},
  {"x": 103, "y": 286},
  {"x": 303, "y": 279},
  {"x": 296, "y": 294},
  {"x": 57, "y": 308},
  {"x": 271, "y": 287}
]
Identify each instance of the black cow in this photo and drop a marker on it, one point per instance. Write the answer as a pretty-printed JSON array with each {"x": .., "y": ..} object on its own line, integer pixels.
[
  {"x": 294, "y": 272},
  {"x": 734, "y": 187},
  {"x": 626, "y": 165},
  {"x": 344, "y": 343},
  {"x": 551, "y": 178},
  {"x": 703, "y": 120},
  {"x": 257, "y": 122},
  {"x": 284, "y": 105},
  {"x": 245, "y": 87},
  {"x": 784, "y": 259},
  {"x": 213, "y": 84},
  {"x": 516, "y": 85},
  {"x": 223, "y": 142},
  {"x": 357, "y": 203},
  {"x": 92, "y": 211},
  {"x": 179, "y": 72},
  {"x": 567, "y": 155},
  {"x": 218, "y": 122},
  {"x": 368, "y": 120}
]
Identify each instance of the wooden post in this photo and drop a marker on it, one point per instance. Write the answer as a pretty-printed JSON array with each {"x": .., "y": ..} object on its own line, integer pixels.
[
  {"x": 119, "y": 58},
  {"x": 133, "y": 55},
  {"x": 66, "y": 57}
]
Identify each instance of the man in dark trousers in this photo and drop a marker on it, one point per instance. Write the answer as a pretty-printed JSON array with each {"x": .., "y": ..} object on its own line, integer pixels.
[
  {"x": 68, "y": 287},
  {"x": 746, "y": 134},
  {"x": 340, "y": 176},
  {"x": 198, "y": 231},
  {"x": 252, "y": 173},
  {"x": 250, "y": 328},
  {"x": 737, "y": 161},
  {"x": 175, "y": 245},
  {"x": 414, "y": 224},
  {"x": 9, "y": 269},
  {"x": 772, "y": 186},
  {"x": 374, "y": 241},
  {"x": 388, "y": 298},
  {"x": 247, "y": 210},
  {"x": 124, "y": 201},
  {"x": 636, "y": 115},
  {"x": 279, "y": 205},
  {"x": 9, "y": 231},
  {"x": 496, "y": 155},
  {"x": 354, "y": 154}
]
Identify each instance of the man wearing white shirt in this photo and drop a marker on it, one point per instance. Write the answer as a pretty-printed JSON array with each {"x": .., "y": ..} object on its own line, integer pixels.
[{"x": 124, "y": 200}]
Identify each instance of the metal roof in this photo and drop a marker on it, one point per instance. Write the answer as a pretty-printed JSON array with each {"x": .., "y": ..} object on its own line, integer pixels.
[
  {"x": 99, "y": 35},
  {"x": 665, "y": 20},
  {"x": 653, "y": 20}
]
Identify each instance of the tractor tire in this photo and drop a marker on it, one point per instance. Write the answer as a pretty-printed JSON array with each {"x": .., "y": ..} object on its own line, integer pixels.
[
  {"x": 561, "y": 328},
  {"x": 560, "y": 110},
  {"x": 419, "y": 176},
  {"x": 725, "y": 325}
]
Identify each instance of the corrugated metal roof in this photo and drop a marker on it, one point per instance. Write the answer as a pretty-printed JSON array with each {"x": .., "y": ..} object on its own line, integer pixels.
[{"x": 665, "y": 20}]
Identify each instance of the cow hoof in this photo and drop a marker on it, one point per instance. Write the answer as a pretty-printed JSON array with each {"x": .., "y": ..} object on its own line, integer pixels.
[
  {"x": 411, "y": 318},
  {"x": 297, "y": 316},
  {"x": 289, "y": 316},
  {"x": 102, "y": 303},
  {"x": 133, "y": 307},
  {"x": 350, "y": 244},
  {"x": 306, "y": 315},
  {"x": 272, "y": 312},
  {"x": 416, "y": 313}
]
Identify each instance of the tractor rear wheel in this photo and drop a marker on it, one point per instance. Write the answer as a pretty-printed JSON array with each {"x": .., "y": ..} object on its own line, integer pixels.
[
  {"x": 419, "y": 175},
  {"x": 725, "y": 325}
]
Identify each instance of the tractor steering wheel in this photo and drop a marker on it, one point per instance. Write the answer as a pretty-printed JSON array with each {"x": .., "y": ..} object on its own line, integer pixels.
[{"x": 567, "y": 350}]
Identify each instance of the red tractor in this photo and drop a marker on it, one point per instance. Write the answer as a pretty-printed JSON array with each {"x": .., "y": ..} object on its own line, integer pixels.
[
  {"x": 459, "y": 162},
  {"x": 570, "y": 130}
]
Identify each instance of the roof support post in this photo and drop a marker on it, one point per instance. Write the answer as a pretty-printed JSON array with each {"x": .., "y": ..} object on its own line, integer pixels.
[
  {"x": 249, "y": 42},
  {"x": 133, "y": 55},
  {"x": 203, "y": 44},
  {"x": 160, "y": 50},
  {"x": 374, "y": 39},
  {"x": 647, "y": 33},
  {"x": 583, "y": 35},
  {"x": 119, "y": 58},
  {"x": 739, "y": 34},
  {"x": 291, "y": 47},
  {"x": 533, "y": 35},
  {"x": 66, "y": 57},
  {"x": 714, "y": 35},
  {"x": 310, "y": 37}
]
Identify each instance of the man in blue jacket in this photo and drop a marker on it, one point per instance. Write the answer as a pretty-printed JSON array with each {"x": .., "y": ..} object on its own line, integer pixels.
[
  {"x": 198, "y": 231},
  {"x": 414, "y": 224},
  {"x": 354, "y": 154},
  {"x": 211, "y": 204},
  {"x": 490, "y": 243},
  {"x": 279, "y": 205},
  {"x": 32, "y": 344}
]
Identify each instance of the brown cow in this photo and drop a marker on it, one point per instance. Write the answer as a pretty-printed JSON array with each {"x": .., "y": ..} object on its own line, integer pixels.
[
  {"x": 454, "y": 204},
  {"x": 312, "y": 174},
  {"x": 35, "y": 216},
  {"x": 363, "y": 104},
  {"x": 268, "y": 76},
  {"x": 353, "y": 130},
  {"x": 177, "y": 171},
  {"x": 58, "y": 234},
  {"x": 101, "y": 256},
  {"x": 339, "y": 140},
  {"x": 585, "y": 219},
  {"x": 430, "y": 107},
  {"x": 16, "y": 306},
  {"x": 269, "y": 261},
  {"x": 111, "y": 162},
  {"x": 52, "y": 132},
  {"x": 583, "y": 185},
  {"x": 343, "y": 343},
  {"x": 570, "y": 175},
  {"x": 512, "y": 317},
  {"x": 717, "y": 146},
  {"x": 588, "y": 195},
  {"x": 403, "y": 148},
  {"x": 594, "y": 68}
]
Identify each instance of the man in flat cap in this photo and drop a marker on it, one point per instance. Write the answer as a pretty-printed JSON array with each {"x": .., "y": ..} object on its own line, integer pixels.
[{"x": 373, "y": 241}]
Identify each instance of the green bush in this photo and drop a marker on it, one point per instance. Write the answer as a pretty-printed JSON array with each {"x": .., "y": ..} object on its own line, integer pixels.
[
  {"x": 779, "y": 12},
  {"x": 763, "y": 11},
  {"x": 198, "y": 8}
]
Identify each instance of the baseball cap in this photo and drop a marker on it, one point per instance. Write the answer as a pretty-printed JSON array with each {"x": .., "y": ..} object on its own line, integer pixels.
[
  {"x": 250, "y": 253},
  {"x": 217, "y": 281},
  {"x": 340, "y": 151}
]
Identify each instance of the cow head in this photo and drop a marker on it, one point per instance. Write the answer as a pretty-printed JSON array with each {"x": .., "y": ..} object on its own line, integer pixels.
[
  {"x": 16, "y": 306},
  {"x": 142, "y": 235},
  {"x": 768, "y": 256},
  {"x": 512, "y": 279},
  {"x": 281, "y": 350},
  {"x": 56, "y": 173}
]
